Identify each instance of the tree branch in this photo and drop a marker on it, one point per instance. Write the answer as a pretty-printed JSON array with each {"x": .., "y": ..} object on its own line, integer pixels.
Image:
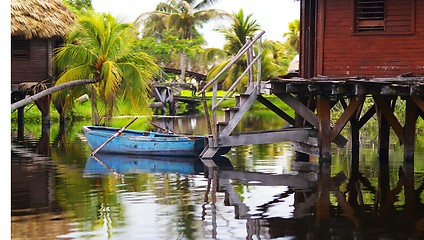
[{"x": 51, "y": 90}]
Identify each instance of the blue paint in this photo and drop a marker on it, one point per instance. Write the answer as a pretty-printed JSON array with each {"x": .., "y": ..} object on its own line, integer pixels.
[{"x": 143, "y": 142}]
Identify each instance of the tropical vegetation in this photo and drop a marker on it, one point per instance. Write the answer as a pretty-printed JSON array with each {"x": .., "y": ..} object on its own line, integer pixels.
[{"x": 99, "y": 47}]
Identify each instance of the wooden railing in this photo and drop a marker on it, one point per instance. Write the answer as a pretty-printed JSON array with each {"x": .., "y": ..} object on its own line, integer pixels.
[{"x": 247, "y": 49}]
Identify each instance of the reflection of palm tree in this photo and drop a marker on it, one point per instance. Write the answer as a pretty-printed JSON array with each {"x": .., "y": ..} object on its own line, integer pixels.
[
  {"x": 100, "y": 48},
  {"x": 181, "y": 18}
]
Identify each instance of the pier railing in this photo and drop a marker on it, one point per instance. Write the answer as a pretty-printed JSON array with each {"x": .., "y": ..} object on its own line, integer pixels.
[{"x": 252, "y": 59}]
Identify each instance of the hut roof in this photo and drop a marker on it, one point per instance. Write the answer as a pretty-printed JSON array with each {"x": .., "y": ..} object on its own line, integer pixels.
[{"x": 40, "y": 18}]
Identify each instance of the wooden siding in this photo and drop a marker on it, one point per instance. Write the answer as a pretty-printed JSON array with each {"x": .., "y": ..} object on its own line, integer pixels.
[
  {"x": 34, "y": 69},
  {"x": 388, "y": 54}
]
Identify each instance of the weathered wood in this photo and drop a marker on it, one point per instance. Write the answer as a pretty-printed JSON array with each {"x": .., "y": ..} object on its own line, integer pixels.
[
  {"x": 276, "y": 110},
  {"x": 354, "y": 104},
  {"x": 388, "y": 114},
  {"x": 323, "y": 109},
  {"x": 308, "y": 115},
  {"x": 418, "y": 101},
  {"x": 383, "y": 136},
  {"x": 299, "y": 108}
]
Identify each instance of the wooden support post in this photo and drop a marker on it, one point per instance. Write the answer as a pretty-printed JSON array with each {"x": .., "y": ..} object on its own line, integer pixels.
[
  {"x": 383, "y": 136},
  {"x": 409, "y": 130},
  {"x": 323, "y": 109}
]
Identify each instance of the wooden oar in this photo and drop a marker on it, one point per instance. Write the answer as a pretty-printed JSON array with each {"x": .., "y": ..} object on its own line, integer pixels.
[
  {"x": 113, "y": 136},
  {"x": 161, "y": 128}
]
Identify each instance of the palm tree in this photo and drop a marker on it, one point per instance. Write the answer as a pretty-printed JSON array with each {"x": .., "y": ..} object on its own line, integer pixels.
[
  {"x": 293, "y": 36},
  {"x": 101, "y": 48},
  {"x": 243, "y": 27},
  {"x": 182, "y": 18}
]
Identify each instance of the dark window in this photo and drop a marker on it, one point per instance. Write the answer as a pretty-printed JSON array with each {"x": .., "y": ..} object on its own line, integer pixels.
[
  {"x": 370, "y": 15},
  {"x": 21, "y": 48}
]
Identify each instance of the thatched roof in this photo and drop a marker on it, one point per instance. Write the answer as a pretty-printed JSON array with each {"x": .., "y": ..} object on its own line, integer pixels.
[{"x": 40, "y": 18}]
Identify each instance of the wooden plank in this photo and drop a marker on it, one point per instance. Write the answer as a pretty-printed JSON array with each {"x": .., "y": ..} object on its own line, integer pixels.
[
  {"x": 323, "y": 109},
  {"x": 276, "y": 110},
  {"x": 284, "y": 135},
  {"x": 354, "y": 104},
  {"x": 388, "y": 114}
]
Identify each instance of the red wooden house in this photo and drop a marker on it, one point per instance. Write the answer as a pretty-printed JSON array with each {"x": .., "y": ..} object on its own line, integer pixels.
[
  {"x": 362, "y": 38},
  {"x": 37, "y": 27}
]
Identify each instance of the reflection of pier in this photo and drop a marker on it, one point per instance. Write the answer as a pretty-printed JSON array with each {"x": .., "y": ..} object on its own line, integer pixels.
[{"x": 325, "y": 205}]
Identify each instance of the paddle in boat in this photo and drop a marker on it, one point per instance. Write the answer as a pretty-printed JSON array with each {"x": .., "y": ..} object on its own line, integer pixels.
[{"x": 125, "y": 141}]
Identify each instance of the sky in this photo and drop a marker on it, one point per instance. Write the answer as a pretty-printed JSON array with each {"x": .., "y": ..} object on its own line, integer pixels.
[{"x": 272, "y": 15}]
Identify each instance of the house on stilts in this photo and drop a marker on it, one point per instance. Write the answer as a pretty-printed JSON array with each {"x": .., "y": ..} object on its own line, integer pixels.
[
  {"x": 37, "y": 28},
  {"x": 350, "y": 51}
]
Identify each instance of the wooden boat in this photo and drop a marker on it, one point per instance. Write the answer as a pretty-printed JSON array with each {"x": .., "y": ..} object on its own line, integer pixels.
[
  {"x": 101, "y": 164},
  {"x": 143, "y": 142}
]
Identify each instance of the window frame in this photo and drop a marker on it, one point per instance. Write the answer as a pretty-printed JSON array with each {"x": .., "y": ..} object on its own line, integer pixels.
[{"x": 409, "y": 31}]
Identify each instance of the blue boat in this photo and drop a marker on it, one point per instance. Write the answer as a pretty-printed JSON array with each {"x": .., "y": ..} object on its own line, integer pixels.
[
  {"x": 101, "y": 164},
  {"x": 143, "y": 142}
]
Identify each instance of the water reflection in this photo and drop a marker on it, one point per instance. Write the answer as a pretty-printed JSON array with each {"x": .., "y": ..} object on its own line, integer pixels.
[{"x": 254, "y": 192}]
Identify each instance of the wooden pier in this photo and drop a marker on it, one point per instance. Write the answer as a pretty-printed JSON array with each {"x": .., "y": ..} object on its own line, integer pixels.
[{"x": 312, "y": 129}]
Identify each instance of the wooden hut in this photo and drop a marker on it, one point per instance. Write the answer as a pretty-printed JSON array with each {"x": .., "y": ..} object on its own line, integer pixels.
[
  {"x": 37, "y": 28},
  {"x": 362, "y": 38}
]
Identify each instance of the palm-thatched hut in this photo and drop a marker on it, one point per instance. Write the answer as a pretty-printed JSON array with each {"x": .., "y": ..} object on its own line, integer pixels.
[{"x": 37, "y": 27}]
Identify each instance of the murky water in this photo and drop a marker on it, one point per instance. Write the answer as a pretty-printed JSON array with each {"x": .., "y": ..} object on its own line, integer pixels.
[{"x": 59, "y": 192}]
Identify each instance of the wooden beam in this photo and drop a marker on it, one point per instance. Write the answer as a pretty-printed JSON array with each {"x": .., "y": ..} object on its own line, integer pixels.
[
  {"x": 300, "y": 108},
  {"x": 418, "y": 101},
  {"x": 371, "y": 111},
  {"x": 391, "y": 118},
  {"x": 308, "y": 115},
  {"x": 351, "y": 110},
  {"x": 276, "y": 110}
]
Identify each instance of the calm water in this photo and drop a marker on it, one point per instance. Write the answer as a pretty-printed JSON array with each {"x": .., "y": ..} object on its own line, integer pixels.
[{"x": 59, "y": 192}]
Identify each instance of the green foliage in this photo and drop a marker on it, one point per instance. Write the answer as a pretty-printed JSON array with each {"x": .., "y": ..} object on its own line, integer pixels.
[
  {"x": 79, "y": 5},
  {"x": 101, "y": 48}
]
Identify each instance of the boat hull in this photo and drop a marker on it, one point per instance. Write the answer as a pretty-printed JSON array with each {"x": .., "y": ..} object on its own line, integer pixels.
[{"x": 144, "y": 143}]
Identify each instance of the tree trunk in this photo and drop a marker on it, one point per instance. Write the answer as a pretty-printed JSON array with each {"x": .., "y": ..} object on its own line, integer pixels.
[
  {"x": 183, "y": 66},
  {"x": 49, "y": 91},
  {"x": 94, "y": 111}
]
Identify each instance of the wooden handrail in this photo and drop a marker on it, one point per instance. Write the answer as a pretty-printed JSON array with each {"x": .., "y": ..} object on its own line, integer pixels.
[{"x": 238, "y": 55}]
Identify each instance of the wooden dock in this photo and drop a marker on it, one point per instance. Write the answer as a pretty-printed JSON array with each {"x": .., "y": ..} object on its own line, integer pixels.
[{"x": 312, "y": 128}]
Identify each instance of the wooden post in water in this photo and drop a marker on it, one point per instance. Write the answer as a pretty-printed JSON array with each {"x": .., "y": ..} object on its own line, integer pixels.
[
  {"x": 323, "y": 109},
  {"x": 383, "y": 136}
]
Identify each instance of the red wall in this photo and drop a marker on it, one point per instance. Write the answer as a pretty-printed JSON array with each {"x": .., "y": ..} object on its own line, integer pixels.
[{"x": 379, "y": 55}]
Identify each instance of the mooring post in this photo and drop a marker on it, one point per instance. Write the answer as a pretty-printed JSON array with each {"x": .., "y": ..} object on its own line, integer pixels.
[
  {"x": 409, "y": 129},
  {"x": 323, "y": 109}
]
